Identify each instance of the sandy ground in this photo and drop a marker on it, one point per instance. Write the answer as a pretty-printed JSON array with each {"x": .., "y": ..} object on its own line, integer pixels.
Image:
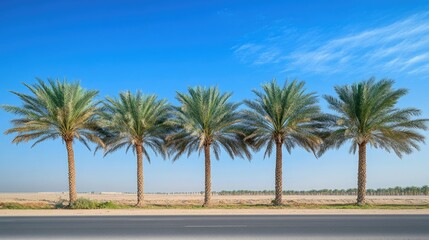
[{"x": 178, "y": 199}]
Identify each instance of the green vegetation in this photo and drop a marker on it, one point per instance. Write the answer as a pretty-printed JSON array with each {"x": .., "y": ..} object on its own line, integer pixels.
[
  {"x": 89, "y": 204},
  {"x": 291, "y": 206},
  {"x": 80, "y": 203},
  {"x": 83, "y": 203},
  {"x": 396, "y": 191},
  {"x": 13, "y": 205},
  {"x": 112, "y": 205}
]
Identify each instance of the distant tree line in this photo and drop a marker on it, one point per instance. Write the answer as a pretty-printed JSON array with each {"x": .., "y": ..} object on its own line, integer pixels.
[{"x": 394, "y": 191}]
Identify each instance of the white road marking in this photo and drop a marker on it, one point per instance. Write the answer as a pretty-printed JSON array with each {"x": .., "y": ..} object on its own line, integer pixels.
[{"x": 216, "y": 226}]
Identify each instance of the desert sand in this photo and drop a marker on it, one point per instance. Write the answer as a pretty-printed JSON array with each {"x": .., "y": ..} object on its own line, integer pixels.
[{"x": 197, "y": 199}]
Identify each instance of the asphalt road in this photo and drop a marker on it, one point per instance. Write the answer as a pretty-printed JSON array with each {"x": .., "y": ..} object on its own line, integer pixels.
[{"x": 218, "y": 227}]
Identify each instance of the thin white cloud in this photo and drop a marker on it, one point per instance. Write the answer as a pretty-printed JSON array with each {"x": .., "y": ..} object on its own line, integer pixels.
[
  {"x": 257, "y": 54},
  {"x": 399, "y": 47}
]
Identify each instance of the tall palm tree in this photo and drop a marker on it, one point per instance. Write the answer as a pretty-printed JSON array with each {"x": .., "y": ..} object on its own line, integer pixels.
[
  {"x": 367, "y": 114},
  {"x": 57, "y": 109},
  {"x": 283, "y": 116},
  {"x": 137, "y": 122},
  {"x": 207, "y": 121}
]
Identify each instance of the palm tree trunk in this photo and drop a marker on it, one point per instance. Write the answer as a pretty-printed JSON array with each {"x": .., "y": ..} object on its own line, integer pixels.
[
  {"x": 72, "y": 172},
  {"x": 362, "y": 174},
  {"x": 140, "y": 200},
  {"x": 279, "y": 177},
  {"x": 208, "y": 183}
]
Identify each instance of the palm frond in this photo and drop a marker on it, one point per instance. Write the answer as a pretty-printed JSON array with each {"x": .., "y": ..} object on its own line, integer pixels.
[
  {"x": 206, "y": 117},
  {"x": 134, "y": 119},
  {"x": 367, "y": 112},
  {"x": 285, "y": 114},
  {"x": 55, "y": 109}
]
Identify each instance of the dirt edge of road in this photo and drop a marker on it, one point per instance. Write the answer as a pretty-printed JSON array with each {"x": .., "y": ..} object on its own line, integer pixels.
[{"x": 166, "y": 212}]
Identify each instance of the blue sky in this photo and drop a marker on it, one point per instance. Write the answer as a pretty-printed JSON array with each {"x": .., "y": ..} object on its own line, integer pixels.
[{"x": 166, "y": 46}]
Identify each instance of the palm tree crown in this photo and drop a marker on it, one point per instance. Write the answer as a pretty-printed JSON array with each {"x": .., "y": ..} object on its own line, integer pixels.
[
  {"x": 367, "y": 113},
  {"x": 286, "y": 115},
  {"x": 205, "y": 117},
  {"x": 135, "y": 120},
  {"x": 56, "y": 109}
]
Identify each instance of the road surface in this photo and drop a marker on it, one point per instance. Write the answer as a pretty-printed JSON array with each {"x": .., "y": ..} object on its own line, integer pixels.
[{"x": 218, "y": 227}]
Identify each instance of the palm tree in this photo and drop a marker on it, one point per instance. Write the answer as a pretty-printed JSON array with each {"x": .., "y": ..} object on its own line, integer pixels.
[
  {"x": 283, "y": 116},
  {"x": 57, "y": 109},
  {"x": 137, "y": 122},
  {"x": 206, "y": 121},
  {"x": 367, "y": 114}
]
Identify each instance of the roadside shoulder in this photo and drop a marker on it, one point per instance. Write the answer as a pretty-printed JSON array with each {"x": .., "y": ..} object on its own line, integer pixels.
[{"x": 164, "y": 212}]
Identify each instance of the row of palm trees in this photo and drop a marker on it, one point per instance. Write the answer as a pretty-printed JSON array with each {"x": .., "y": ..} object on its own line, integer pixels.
[{"x": 288, "y": 116}]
